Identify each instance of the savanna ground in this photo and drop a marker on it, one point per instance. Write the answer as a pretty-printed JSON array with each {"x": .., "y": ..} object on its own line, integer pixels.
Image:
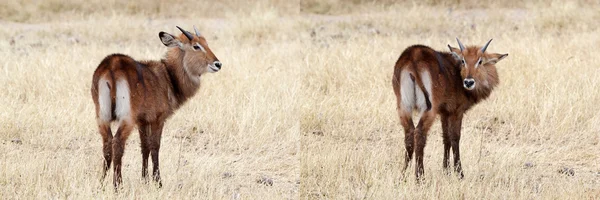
[{"x": 304, "y": 99}]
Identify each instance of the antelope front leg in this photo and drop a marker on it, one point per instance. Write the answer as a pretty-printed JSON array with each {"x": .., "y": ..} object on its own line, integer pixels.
[
  {"x": 446, "y": 139},
  {"x": 425, "y": 123},
  {"x": 154, "y": 144},
  {"x": 144, "y": 130},
  {"x": 456, "y": 123}
]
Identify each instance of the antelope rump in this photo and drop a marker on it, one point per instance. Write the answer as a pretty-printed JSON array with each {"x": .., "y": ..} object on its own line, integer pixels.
[
  {"x": 144, "y": 94},
  {"x": 448, "y": 84}
]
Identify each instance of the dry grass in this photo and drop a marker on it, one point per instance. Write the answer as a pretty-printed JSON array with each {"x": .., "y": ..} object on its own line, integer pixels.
[{"x": 303, "y": 99}]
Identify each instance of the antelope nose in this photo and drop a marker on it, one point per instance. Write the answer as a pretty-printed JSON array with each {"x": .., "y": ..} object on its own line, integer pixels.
[
  {"x": 217, "y": 64},
  {"x": 469, "y": 82}
]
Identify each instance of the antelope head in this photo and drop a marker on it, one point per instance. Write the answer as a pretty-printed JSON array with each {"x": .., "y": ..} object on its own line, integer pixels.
[
  {"x": 197, "y": 56},
  {"x": 476, "y": 64}
]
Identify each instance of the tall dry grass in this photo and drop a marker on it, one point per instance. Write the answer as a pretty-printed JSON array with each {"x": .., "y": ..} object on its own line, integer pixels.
[{"x": 304, "y": 99}]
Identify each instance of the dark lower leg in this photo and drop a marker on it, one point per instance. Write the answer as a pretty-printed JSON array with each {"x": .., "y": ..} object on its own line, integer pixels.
[
  {"x": 455, "y": 127},
  {"x": 106, "y": 147},
  {"x": 155, "y": 169},
  {"x": 446, "y": 139},
  {"x": 145, "y": 149},
  {"x": 409, "y": 130},
  {"x": 154, "y": 143},
  {"x": 456, "y": 151},
  {"x": 420, "y": 140},
  {"x": 118, "y": 147},
  {"x": 145, "y": 156},
  {"x": 446, "y": 160},
  {"x": 409, "y": 145}
]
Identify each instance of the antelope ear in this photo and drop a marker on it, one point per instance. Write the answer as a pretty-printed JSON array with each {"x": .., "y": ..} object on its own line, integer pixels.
[
  {"x": 495, "y": 58},
  {"x": 169, "y": 40},
  {"x": 455, "y": 53}
]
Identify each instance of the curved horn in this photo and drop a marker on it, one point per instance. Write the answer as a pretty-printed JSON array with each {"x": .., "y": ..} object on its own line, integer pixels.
[
  {"x": 196, "y": 30},
  {"x": 460, "y": 45},
  {"x": 187, "y": 34},
  {"x": 485, "y": 47}
]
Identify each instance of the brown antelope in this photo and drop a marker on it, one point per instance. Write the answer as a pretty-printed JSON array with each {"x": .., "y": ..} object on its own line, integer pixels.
[
  {"x": 145, "y": 93},
  {"x": 444, "y": 83}
]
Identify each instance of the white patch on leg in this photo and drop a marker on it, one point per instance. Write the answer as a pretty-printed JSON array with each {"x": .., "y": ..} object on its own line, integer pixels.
[
  {"x": 421, "y": 101},
  {"x": 407, "y": 91},
  {"x": 123, "y": 104},
  {"x": 104, "y": 101}
]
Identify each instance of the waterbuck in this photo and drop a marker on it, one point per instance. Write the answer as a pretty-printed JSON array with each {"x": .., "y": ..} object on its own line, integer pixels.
[
  {"x": 444, "y": 83},
  {"x": 145, "y": 93}
]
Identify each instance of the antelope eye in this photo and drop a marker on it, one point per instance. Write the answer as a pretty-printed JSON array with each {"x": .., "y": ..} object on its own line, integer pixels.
[
  {"x": 463, "y": 62},
  {"x": 196, "y": 47},
  {"x": 480, "y": 61}
]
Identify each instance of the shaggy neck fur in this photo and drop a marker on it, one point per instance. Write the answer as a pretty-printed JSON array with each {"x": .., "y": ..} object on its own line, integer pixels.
[{"x": 183, "y": 85}]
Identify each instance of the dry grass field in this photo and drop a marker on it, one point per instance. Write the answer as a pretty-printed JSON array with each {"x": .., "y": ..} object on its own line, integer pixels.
[{"x": 304, "y": 100}]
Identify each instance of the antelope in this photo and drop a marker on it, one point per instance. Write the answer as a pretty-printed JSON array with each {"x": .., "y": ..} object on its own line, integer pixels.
[
  {"x": 444, "y": 83},
  {"x": 144, "y": 94}
]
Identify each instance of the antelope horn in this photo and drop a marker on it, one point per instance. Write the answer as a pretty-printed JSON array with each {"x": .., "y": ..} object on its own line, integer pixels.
[
  {"x": 460, "y": 45},
  {"x": 485, "y": 47},
  {"x": 187, "y": 34},
  {"x": 196, "y": 30}
]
